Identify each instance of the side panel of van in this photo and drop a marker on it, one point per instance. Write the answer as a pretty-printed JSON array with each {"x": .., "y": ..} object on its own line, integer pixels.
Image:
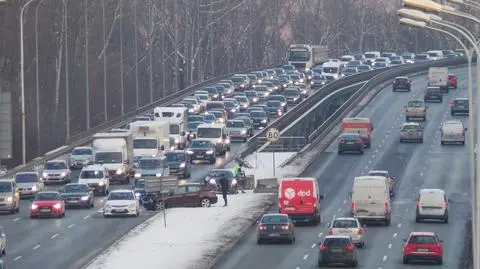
[{"x": 299, "y": 198}]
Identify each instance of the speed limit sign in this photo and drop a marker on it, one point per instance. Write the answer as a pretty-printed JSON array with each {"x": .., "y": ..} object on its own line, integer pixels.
[{"x": 273, "y": 135}]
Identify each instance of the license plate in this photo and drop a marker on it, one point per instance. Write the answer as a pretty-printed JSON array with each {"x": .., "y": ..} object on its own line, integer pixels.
[
  {"x": 45, "y": 210},
  {"x": 289, "y": 208},
  {"x": 344, "y": 231},
  {"x": 119, "y": 210},
  {"x": 199, "y": 156},
  {"x": 461, "y": 106},
  {"x": 73, "y": 201},
  {"x": 274, "y": 235},
  {"x": 422, "y": 249},
  {"x": 350, "y": 142},
  {"x": 336, "y": 250}
]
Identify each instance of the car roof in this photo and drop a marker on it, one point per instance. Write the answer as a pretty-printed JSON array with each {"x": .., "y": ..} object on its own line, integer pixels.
[
  {"x": 82, "y": 148},
  {"x": 345, "y": 218},
  {"x": 6, "y": 179},
  {"x": 461, "y": 98},
  {"x": 27, "y": 173},
  {"x": 57, "y": 161},
  {"x": 122, "y": 190},
  {"x": 50, "y": 192},
  {"x": 423, "y": 233},
  {"x": 274, "y": 214},
  {"x": 452, "y": 122},
  {"x": 378, "y": 171},
  {"x": 221, "y": 170},
  {"x": 439, "y": 191},
  {"x": 402, "y": 77},
  {"x": 93, "y": 167}
]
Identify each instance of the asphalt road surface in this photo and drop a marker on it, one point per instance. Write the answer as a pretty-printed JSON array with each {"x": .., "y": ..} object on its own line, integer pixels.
[{"x": 415, "y": 166}]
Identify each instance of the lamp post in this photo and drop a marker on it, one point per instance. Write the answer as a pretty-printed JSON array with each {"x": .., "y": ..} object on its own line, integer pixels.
[{"x": 37, "y": 76}]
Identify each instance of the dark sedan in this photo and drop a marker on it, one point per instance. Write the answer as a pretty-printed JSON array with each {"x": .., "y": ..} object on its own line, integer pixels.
[
  {"x": 215, "y": 174},
  {"x": 281, "y": 98},
  {"x": 275, "y": 227},
  {"x": 275, "y": 108},
  {"x": 350, "y": 142},
  {"x": 433, "y": 94},
  {"x": 260, "y": 118},
  {"x": 318, "y": 81},
  {"x": 178, "y": 163},
  {"x": 293, "y": 95},
  {"x": 260, "y": 107},
  {"x": 77, "y": 195},
  {"x": 401, "y": 83},
  {"x": 459, "y": 106},
  {"x": 202, "y": 150},
  {"x": 248, "y": 122},
  {"x": 337, "y": 249},
  {"x": 231, "y": 108}
]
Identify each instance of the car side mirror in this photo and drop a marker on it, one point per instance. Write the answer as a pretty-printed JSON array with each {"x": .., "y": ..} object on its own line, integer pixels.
[
  {"x": 465, "y": 129},
  {"x": 350, "y": 194},
  {"x": 125, "y": 162},
  {"x": 182, "y": 133},
  {"x": 321, "y": 197},
  {"x": 162, "y": 147}
]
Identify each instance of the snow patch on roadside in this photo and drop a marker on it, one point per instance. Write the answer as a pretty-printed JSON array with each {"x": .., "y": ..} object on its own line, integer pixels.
[{"x": 192, "y": 239}]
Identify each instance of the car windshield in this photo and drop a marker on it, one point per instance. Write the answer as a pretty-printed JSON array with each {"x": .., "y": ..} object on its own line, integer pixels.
[
  {"x": 82, "y": 152},
  {"x": 363, "y": 67},
  {"x": 113, "y": 196},
  {"x": 174, "y": 129},
  {"x": 421, "y": 56},
  {"x": 76, "y": 188},
  {"x": 151, "y": 163},
  {"x": 241, "y": 99},
  {"x": 401, "y": 80},
  {"x": 258, "y": 114},
  {"x": 195, "y": 118},
  {"x": 370, "y": 55},
  {"x": 294, "y": 77},
  {"x": 55, "y": 166},
  {"x": 345, "y": 59},
  {"x": 461, "y": 102},
  {"x": 397, "y": 62},
  {"x": 209, "y": 117},
  {"x": 108, "y": 157},
  {"x": 251, "y": 94},
  {"x": 26, "y": 178},
  {"x": 350, "y": 136},
  {"x": 434, "y": 90},
  {"x": 214, "y": 106},
  {"x": 235, "y": 124},
  {"x": 274, "y": 104},
  {"x": 381, "y": 60},
  {"x": 237, "y": 79},
  {"x": 336, "y": 242},
  {"x": 345, "y": 223},
  {"x": 5, "y": 187},
  {"x": 192, "y": 126},
  {"x": 47, "y": 196},
  {"x": 175, "y": 156},
  {"x": 201, "y": 144},
  {"x": 261, "y": 89},
  {"x": 318, "y": 77},
  {"x": 221, "y": 173},
  {"x": 290, "y": 92},
  {"x": 201, "y": 96},
  {"x": 331, "y": 70},
  {"x": 277, "y": 97},
  {"x": 274, "y": 219},
  {"x": 94, "y": 174},
  {"x": 422, "y": 239},
  {"x": 415, "y": 104},
  {"x": 351, "y": 70},
  {"x": 380, "y": 64},
  {"x": 140, "y": 184},
  {"x": 145, "y": 144},
  {"x": 209, "y": 132},
  {"x": 217, "y": 114}
]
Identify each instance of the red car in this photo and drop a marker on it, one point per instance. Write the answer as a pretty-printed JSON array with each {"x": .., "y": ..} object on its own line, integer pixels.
[
  {"x": 47, "y": 204},
  {"x": 423, "y": 246},
  {"x": 452, "y": 81}
]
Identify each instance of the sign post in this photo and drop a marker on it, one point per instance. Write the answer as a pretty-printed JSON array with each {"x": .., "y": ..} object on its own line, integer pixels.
[{"x": 273, "y": 135}]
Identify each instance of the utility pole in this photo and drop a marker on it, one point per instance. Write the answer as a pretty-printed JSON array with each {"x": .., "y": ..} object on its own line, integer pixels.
[
  {"x": 135, "y": 40},
  {"x": 122, "y": 90},
  {"x": 162, "y": 40},
  {"x": 250, "y": 52},
  {"x": 87, "y": 71},
  {"x": 150, "y": 50},
  {"x": 105, "y": 101},
  {"x": 67, "y": 82}
]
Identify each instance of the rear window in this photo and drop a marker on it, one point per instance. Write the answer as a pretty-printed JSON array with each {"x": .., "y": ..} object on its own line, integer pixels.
[
  {"x": 415, "y": 104},
  {"x": 336, "y": 242},
  {"x": 433, "y": 90},
  {"x": 410, "y": 127},
  {"x": 350, "y": 136},
  {"x": 378, "y": 174},
  {"x": 401, "y": 80},
  {"x": 279, "y": 219},
  {"x": 422, "y": 239},
  {"x": 432, "y": 197},
  {"x": 345, "y": 224},
  {"x": 461, "y": 102}
]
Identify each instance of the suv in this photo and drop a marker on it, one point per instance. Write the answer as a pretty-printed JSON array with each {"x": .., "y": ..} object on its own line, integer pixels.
[
  {"x": 337, "y": 249},
  {"x": 80, "y": 157},
  {"x": 350, "y": 227},
  {"x": 433, "y": 93},
  {"x": 432, "y": 204},
  {"x": 96, "y": 177},
  {"x": 424, "y": 246},
  {"x": 9, "y": 196},
  {"x": 411, "y": 131},
  {"x": 56, "y": 171},
  {"x": 416, "y": 109},
  {"x": 29, "y": 183},
  {"x": 459, "y": 106},
  {"x": 179, "y": 163},
  {"x": 401, "y": 83}
]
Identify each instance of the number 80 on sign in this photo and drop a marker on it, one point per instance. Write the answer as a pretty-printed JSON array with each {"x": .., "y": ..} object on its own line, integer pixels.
[{"x": 273, "y": 135}]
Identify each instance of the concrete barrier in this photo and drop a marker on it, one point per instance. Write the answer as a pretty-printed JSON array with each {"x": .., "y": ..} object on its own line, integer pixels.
[{"x": 266, "y": 185}]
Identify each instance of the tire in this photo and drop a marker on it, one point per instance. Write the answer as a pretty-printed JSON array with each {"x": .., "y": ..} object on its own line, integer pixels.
[
  {"x": 405, "y": 260},
  {"x": 18, "y": 208},
  {"x": 387, "y": 222},
  {"x": 407, "y": 118},
  {"x": 320, "y": 264},
  {"x": 106, "y": 216},
  {"x": 425, "y": 118},
  {"x": 440, "y": 262},
  {"x": 463, "y": 143},
  {"x": 421, "y": 140},
  {"x": 212, "y": 161},
  {"x": 418, "y": 219},
  {"x": 445, "y": 220},
  {"x": 354, "y": 264},
  {"x": 394, "y": 90},
  {"x": 340, "y": 152},
  {"x": 245, "y": 139},
  {"x": 191, "y": 161},
  {"x": 361, "y": 152},
  {"x": 32, "y": 217},
  {"x": 442, "y": 143},
  {"x": 291, "y": 241},
  {"x": 452, "y": 113},
  {"x": 401, "y": 140},
  {"x": 205, "y": 202},
  {"x": 259, "y": 241},
  {"x": 441, "y": 100}
]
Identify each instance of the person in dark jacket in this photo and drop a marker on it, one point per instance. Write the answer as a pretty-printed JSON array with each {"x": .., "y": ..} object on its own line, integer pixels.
[{"x": 225, "y": 186}]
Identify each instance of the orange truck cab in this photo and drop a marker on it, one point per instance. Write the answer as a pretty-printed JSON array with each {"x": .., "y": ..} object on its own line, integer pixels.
[
  {"x": 359, "y": 125},
  {"x": 299, "y": 198}
]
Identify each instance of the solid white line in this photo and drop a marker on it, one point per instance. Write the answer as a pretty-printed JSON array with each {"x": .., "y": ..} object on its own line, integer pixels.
[
  {"x": 389, "y": 245},
  {"x": 314, "y": 245},
  {"x": 16, "y": 219},
  {"x": 384, "y": 258},
  {"x": 394, "y": 235},
  {"x": 305, "y": 257},
  {"x": 320, "y": 234},
  {"x": 17, "y": 258},
  {"x": 86, "y": 217},
  {"x": 53, "y": 236},
  {"x": 399, "y": 225},
  {"x": 70, "y": 226},
  {"x": 35, "y": 247}
]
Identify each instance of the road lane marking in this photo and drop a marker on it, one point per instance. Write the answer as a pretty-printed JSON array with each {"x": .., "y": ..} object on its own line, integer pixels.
[
  {"x": 16, "y": 219},
  {"x": 320, "y": 234},
  {"x": 338, "y": 210},
  {"x": 305, "y": 257},
  {"x": 334, "y": 216},
  {"x": 344, "y": 201},
  {"x": 389, "y": 245},
  {"x": 86, "y": 217},
  {"x": 297, "y": 267},
  {"x": 17, "y": 258},
  {"x": 70, "y": 226},
  {"x": 35, "y": 247},
  {"x": 314, "y": 245},
  {"x": 53, "y": 236},
  {"x": 384, "y": 258},
  {"x": 395, "y": 235},
  {"x": 399, "y": 225}
]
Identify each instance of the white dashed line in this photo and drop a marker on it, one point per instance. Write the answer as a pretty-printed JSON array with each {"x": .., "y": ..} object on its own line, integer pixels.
[
  {"x": 314, "y": 245},
  {"x": 70, "y": 226},
  {"x": 338, "y": 210},
  {"x": 373, "y": 156},
  {"x": 305, "y": 257},
  {"x": 421, "y": 174},
  {"x": 53, "y": 236},
  {"x": 320, "y": 234},
  {"x": 395, "y": 235},
  {"x": 369, "y": 162},
  {"x": 399, "y": 225},
  {"x": 86, "y": 217},
  {"x": 384, "y": 258},
  {"x": 16, "y": 219},
  {"x": 344, "y": 201},
  {"x": 389, "y": 245},
  {"x": 297, "y": 267},
  {"x": 406, "y": 209},
  {"x": 17, "y": 258},
  {"x": 366, "y": 167},
  {"x": 35, "y": 247}
]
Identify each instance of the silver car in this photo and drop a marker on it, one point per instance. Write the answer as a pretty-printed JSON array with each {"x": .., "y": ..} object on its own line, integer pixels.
[
  {"x": 29, "y": 183},
  {"x": 80, "y": 157},
  {"x": 237, "y": 129},
  {"x": 348, "y": 227},
  {"x": 56, "y": 171},
  {"x": 452, "y": 131},
  {"x": 411, "y": 131}
]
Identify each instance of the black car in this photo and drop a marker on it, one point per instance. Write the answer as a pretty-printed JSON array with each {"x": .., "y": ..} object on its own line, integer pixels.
[
  {"x": 284, "y": 80},
  {"x": 215, "y": 174},
  {"x": 459, "y": 106},
  {"x": 293, "y": 96},
  {"x": 275, "y": 108},
  {"x": 337, "y": 249},
  {"x": 260, "y": 107},
  {"x": 192, "y": 129},
  {"x": 275, "y": 227},
  {"x": 401, "y": 83},
  {"x": 202, "y": 150},
  {"x": 178, "y": 163},
  {"x": 433, "y": 94},
  {"x": 281, "y": 98},
  {"x": 76, "y": 195},
  {"x": 231, "y": 108},
  {"x": 350, "y": 142},
  {"x": 318, "y": 81},
  {"x": 259, "y": 118}
]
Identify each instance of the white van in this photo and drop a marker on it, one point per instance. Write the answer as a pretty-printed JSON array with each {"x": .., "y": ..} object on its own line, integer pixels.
[
  {"x": 432, "y": 204},
  {"x": 346, "y": 58},
  {"x": 332, "y": 69},
  {"x": 452, "y": 131},
  {"x": 435, "y": 54},
  {"x": 371, "y": 56},
  {"x": 371, "y": 199},
  {"x": 217, "y": 133}
]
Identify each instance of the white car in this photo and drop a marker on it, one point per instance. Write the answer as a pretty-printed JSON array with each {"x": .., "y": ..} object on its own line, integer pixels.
[
  {"x": 453, "y": 131},
  {"x": 121, "y": 203},
  {"x": 348, "y": 227},
  {"x": 432, "y": 204},
  {"x": 3, "y": 243},
  {"x": 96, "y": 177}
]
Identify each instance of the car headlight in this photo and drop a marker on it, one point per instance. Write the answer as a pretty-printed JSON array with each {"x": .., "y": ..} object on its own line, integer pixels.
[
  {"x": 138, "y": 175},
  {"x": 182, "y": 165},
  {"x": 233, "y": 110},
  {"x": 301, "y": 80},
  {"x": 245, "y": 105},
  {"x": 312, "y": 82},
  {"x": 158, "y": 174},
  {"x": 304, "y": 91},
  {"x": 264, "y": 121},
  {"x": 221, "y": 120},
  {"x": 108, "y": 206},
  {"x": 267, "y": 94},
  {"x": 309, "y": 77},
  {"x": 9, "y": 199},
  {"x": 279, "y": 113},
  {"x": 63, "y": 174},
  {"x": 132, "y": 206},
  {"x": 45, "y": 175},
  {"x": 284, "y": 85},
  {"x": 191, "y": 110},
  {"x": 34, "y": 206},
  {"x": 215, "y": 96},
  {"x": 57, "y": 206},
  {"x": 219, "y": 140},
  {"x": 255, "y": 99},
  {"x": 290, "y": 81},
  {"x": 284, "y": 104},
  {"x": 295, "y": 99},
  {"x": 244, "y": 131},
  {"x": 137, "y": 194},
  {"x": 189, "y": 152},
  {"x": 101, "y": 183},
  {"x": 119, "y": 171},
  {"x": 242, "y": 85},
  {"x": 177, "y": 141},
  {"x": 234, "y": 182},
  {"x": 209, "y": 152},
  {"x": 34, "y": 187},
  {"x": 227, "y": 141},
  {"x": 85, "y": 198},
  {"x": 212, "y": 181}
]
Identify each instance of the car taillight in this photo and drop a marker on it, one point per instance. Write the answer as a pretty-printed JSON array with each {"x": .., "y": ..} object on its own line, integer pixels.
[
  {"x": 359, "y": 141},
  {"x": 445, "y": 202},
  {"x": 418, "y": 203},
  {"x": 463, "y": 133},
  {"x": 360, "y": 231},
  {"x": 407, "y": 249},
  {"x": 279, "y": 205},
  {"x": 262, "y": 228},
  {"x": 330, "y": 231},
  {"x": 452, "y": 105},
  {"x": 353, "y": 206},
  {"x": 323, "y": 248},
  {"x": 386, "y": 206},
  {"x": 349, "y": 248},
  {"x": 341, "y": 141},
  {"x": 285, "y": 227}
]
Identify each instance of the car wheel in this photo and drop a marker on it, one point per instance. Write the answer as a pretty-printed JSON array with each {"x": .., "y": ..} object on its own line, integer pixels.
[
  {"x": 387, "y": 222},
  {"x": 191, "y": 161},
  {"x": 407, "y": 118},
  {"x": 354, "y": 264},
  {"x": 452, "y": 113},
  {"x": 440, "y": 262},
  {"x": 290, "y": 241},
  {"x": 32, "y": 217},
  {"x": 361, "y": 151},
  {"x": 405, "y": 260},
  {"x": 340, "y": 152},
  {"x": 106, "y": 216},
  {"x": 418, "y": 219},
  {"x": 320, "y": 264},
  {"x": 401, "y": 140},
  {"x": 463, "y": 143},
  {"x": 212, "y": 161},
  {"x": 362, "y": 245},
  {"x": 445, "y": 219},
  {"x": 18, "y": 208},
  {"x": 259, "y": 241},
  {"x": 441, "y": 100},
  {"x": 205, "y": 202},
  {"x": 442, "y": 143},
  {"x": 421, "y": 140}
]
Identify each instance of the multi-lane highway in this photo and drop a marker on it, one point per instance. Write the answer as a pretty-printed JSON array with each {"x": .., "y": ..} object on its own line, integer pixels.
[{"x": 415, "y": 166}]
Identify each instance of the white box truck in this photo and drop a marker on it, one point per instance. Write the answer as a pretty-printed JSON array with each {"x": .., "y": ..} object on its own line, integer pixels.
[
  {"x": 150, "y": 138},
  {"x": 438, "y": 77}
]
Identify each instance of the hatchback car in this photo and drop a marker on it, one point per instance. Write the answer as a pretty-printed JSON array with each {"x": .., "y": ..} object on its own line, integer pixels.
[
  {"x": 122, "y": 203},
  {"x": 275, "y": 227},
  {"x": 260, "y": 118},
  {"x": 275, "y": 108},
  {"x": 415, "y": 109},
  {"x": 433, "y": 94},
  {"x": 350, "y": 142},
  {"x": 337, "y": 249},
  {"x": 452, "y": 131},
  {"x": 77, "y": 195},
  {"x": 411, "y": 131},
  {"x": 29, "y": 183},
  {"x": 191, "y": 195},
  {"x": 47, "y": 204},
  {"x": 237, "y": 129},
  {"x": 401, "y": 84},
  {"x": 349, "y": 227},
  {"x": 318, "y": 81},
  {"x": 423, "y": 246},
  {"x": 56, "y": 171},
  {"x": 432, "y": 204},
  {"x": 459, "y": 106}
]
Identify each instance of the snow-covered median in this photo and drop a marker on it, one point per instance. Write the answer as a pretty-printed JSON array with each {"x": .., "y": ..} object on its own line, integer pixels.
[{"x": 194, "y": 237}]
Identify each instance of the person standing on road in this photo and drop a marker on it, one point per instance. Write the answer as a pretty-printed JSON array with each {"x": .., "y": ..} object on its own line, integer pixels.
[{"x": 225, "y": 186}]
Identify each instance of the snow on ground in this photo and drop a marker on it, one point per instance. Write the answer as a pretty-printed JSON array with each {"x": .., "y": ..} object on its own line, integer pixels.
[
  {"x": 192, "y": 239},
  {"x": 262, "y": 163}
]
